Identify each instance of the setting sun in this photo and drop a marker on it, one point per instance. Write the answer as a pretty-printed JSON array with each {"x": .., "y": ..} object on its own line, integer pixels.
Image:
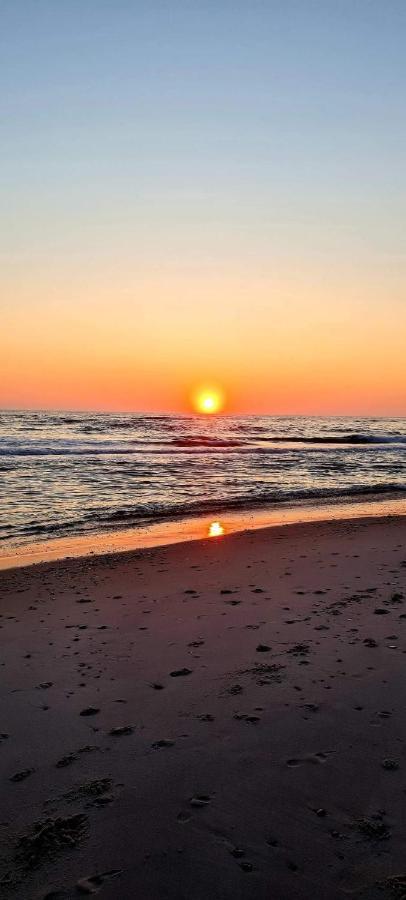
[{"x": 208, "y": 400}]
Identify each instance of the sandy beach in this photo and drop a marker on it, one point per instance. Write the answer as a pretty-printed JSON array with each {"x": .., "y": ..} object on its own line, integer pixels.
[{"x": 213, "y": 719}]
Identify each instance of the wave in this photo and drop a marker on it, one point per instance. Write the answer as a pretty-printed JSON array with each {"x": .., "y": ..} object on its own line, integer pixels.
[
  {"x": 246, "y": 502},
  {"x": 205, "y": 441},
  {"x": 203, "y": 444},
  {"x": 148, "y": 513},
  {"x": 157, "y": 447},
  {"x": 65, "y": 451},
  {"x": 337, "y": 439},
  {"x": 103, "y": 426}
]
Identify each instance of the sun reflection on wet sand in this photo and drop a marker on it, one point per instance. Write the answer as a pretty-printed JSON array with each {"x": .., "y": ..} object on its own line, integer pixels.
[
  {"x": 166, "y": 533},
  {"x": 215, "y": 529}
]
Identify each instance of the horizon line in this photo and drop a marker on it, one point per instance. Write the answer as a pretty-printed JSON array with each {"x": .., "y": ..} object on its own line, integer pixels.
[{"x": 196, "y": 415}]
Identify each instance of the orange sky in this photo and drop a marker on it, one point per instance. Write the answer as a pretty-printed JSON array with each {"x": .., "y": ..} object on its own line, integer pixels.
[{"x": 281, "y": 344}]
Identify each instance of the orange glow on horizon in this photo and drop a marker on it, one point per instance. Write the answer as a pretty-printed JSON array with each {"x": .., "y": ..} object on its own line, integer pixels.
[{"x": 308, "y": 357}]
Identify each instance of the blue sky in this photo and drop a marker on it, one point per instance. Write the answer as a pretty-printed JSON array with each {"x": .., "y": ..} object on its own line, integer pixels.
[{"x": 256, "y": 111}]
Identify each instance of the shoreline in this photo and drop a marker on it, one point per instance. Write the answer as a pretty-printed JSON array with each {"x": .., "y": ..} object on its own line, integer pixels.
[{"x": 166, "y": 533}]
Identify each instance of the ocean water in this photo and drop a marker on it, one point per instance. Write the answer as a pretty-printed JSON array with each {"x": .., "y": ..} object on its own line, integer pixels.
[{"x": 65, "y": 474}]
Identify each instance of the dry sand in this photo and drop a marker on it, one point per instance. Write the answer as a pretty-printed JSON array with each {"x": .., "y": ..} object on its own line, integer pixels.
[{"x": 215, "y": 719}]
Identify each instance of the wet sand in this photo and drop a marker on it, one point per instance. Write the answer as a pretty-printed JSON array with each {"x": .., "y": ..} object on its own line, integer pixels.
[{"x": 213, "y": 719}]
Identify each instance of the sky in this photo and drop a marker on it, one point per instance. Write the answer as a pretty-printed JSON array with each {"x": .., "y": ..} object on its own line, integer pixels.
[{"x": 205, "y": 191}]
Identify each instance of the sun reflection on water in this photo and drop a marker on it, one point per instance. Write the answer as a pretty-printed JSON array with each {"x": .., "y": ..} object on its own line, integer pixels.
[{"x": 215, "y": 529}]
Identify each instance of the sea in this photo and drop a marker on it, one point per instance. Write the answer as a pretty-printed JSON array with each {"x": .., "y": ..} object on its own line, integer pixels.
[{"x": 70, "y": 474}]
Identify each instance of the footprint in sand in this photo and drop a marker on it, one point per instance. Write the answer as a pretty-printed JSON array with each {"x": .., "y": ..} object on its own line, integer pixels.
[
  {"x": 235, "y": 689},
  {"x": 200, "y": 800},
  {"x": 93, "y": 883},
  {"x": 243, "y": 717},
  {"x": 390, "y": 765},
  {"x": 314, "y": 759},
  {"x": 89, "y": 711},
  {"x": 121, "y": 730},
  {"x": 21, "y": 776},
  {"x": 178, "y": 673},
  {"x": 66, "y": 761},
  {"x": 183, "y": 817},
  {"x": 158, "y": 745}
]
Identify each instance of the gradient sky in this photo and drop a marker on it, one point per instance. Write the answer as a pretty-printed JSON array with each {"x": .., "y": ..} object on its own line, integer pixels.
[{"x": 203, "y": 191}]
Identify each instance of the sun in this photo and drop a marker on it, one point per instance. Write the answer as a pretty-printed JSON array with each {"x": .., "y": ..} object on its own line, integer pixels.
[{"x": 208, "y": 400}]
